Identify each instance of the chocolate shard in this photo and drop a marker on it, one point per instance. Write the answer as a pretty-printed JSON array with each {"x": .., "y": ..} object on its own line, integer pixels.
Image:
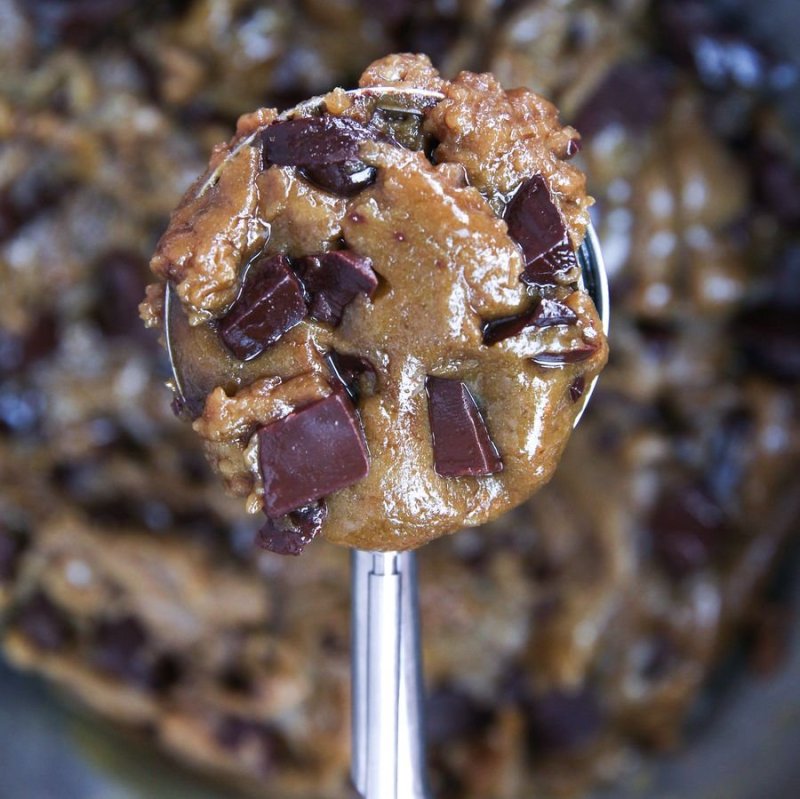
[
  {"x": 355, "y": 373},
  {"x": 462, "y": 446},
  {"x": 325, "y": 148},
  {"x": 552, "y": 358},
  {"x": 577, "y": 387},
  {"x": 333, "y": 280},
  {"x": 536, "y": 225},
  {"x": 545, "y": 313},
  {"x": 687, "y": 527},
  {"x": 562, "y": 721},
  {"x": 311, "y": 453},
  {"x": 292, "y": 533},
  {"x": 271, "y": 302},
  {"x": 41, "y": 621}
]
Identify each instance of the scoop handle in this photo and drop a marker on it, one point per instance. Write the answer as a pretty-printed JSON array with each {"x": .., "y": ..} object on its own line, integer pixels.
[{"x": 388, "y": 756}]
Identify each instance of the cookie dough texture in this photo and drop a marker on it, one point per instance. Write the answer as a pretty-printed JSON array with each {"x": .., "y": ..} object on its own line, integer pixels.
[
  {"x": 588, "y": 633},
  {"x": 435, "y": 236}
]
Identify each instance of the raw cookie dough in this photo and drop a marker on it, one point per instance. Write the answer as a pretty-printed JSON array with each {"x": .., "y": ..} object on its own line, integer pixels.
[{"x": 387, "y": 293}]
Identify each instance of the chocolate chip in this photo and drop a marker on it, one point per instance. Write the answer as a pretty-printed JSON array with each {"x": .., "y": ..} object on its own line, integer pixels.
[
  {"x": 311, "y": 453},
  {"x": 119, "y": 648},
  {"x": 271, "y": 303},
  {"x": 324, "y": 148},
  {"x": 577, "y": 387},
  {"x": 536, "y": 225},
  {"x": 563, "y": 721},
  {"x": 573, "y": 148},
  {"x": 356, "y": 374},
  {"x": 452, "y": 714},
  {"x": 40, "y": 620},
  {"x": 333, "y": 280},
  {"x": 291, "y": 534},
  {"x": 11, "y": 548},
  {"x": 20, "y": 351},
  {"x": 551, "y": 358},
  {"x": 544, "y": 313},
  {"x": 462, "y": 446},
  {"x": 634, "y": 95},
  {"x": 121, "y": 280},
  {"x": 686, "y": 528}
]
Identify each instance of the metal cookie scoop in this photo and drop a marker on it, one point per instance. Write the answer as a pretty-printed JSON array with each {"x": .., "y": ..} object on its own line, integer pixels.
[{"x": 388, "y": 749}]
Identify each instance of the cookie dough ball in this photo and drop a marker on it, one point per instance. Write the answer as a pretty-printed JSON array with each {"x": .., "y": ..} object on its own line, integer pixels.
[{"x": 374, "y": 309}]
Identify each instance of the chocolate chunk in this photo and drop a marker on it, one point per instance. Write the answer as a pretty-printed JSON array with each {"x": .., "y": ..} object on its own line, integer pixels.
[
  {"x": 686, "y": 529},
  {"x": 270, "y": 303},
  {"x": 452, "y": 714},
  {"x": 579, "y": 353},
  {"x": 633, "y": 94},
  {"x": 544, "y": 313},
  {"x": 325, "y": 148},
  {"x": 577, "y": 387},
  {"x": 573, "y": 148},
  {"x": 19, "y": 351},
  {"x": 769, "y": 337},
  {"x": 311, "y": 453},
  {"x": 562, "y": 721},
  {"x": 536, "y": 225},
  {"x": 291, "y": 534},
  {"x": 121, "y": 282},
  {"x": 11, "y": 548},
  {"x": 356, "y": 375},
  {"x": 119, "y": 648},
  {"x": 333, "y": 280},
  {"x": 462, "y": 446},
  {"x": 44, "y": 623}
]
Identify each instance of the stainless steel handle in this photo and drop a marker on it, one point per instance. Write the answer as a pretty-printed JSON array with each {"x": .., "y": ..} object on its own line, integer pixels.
[{"x": 388, "y": 760}]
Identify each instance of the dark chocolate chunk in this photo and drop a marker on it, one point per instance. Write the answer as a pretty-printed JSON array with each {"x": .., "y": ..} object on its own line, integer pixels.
[
  {"x": 325, "y": 148},
  {"x": 356, "y": 374},
  {"x": 579, "y": 353},
  {"x": 291, "y": 534},
  {"x": 19, "y": 351},
  {"x": 573, "y": 148},
  {"x": 121, "y": 280},
  {"x": 686, "y": 528},
  {"x": 40, "y": 620},
  {"x": 333, "y": 280},
  {"x": 311, "y": 453},
  {"x": 536, "y": 225},
  {"x": 119, "y": 647},
  {"x": 768, "y": 335},
  {"x": 633, "y": 94},
  {"x": 577, "y": 387},
  {"x": 544, "y": 313},
  {"x": 462, "y": 446},
  {"x": 270, "y": 303},
  {"x": 11, "y": 548},
  {"x": 562, "y": 721},
  {"x": 452, "y": 714}
]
